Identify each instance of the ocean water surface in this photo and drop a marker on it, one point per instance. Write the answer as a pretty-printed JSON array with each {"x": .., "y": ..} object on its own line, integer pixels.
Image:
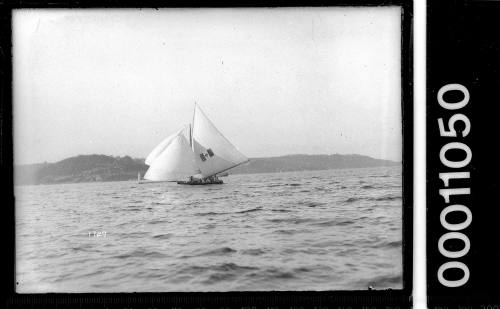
[{"x": 313, "y": 230}]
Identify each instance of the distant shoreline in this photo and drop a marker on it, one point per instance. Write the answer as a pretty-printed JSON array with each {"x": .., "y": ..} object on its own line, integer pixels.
[
  {"x": 103, "y": 168},
  {"x": 156, "y": 182}
]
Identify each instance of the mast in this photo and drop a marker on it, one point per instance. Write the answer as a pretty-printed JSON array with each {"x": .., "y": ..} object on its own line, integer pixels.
[{"x": 191, "y": 135}]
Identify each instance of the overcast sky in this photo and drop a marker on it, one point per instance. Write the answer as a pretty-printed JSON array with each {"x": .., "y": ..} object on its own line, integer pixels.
[{"x": 273, "y": 81}]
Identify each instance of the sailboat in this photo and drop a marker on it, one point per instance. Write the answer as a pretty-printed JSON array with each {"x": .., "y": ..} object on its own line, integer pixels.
[{"x": 194, "y": 155}]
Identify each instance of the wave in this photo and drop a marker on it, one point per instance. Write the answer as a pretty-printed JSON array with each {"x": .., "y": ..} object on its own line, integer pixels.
[
  {"x": 85, "y": 275},
  {"x": 384, "y": 282},
  {"x": 352, "y": 199},
  {"x": 56, "y": 255},
  {"x": 218, "y": 277},
  {"x": 84, "y": 248},
  {"x": 385, "y": 198},
  {"x": 313, "y": 268},
  {"x": 272, "y": 185},
  {"x": 312, "y": 204},
  {"x": 102, "y": 285},
  {"x": 132, "y": 208},
  {"x": 248, "y": 210},
  {"x": 133, "y": 234},
  {"x": 313, "y": 250},
  {"x": 253, "y": 252},
  {"x": 345, "y": 222},
  {"x": 142, "y": 254},
  {"x": 377, "y": 199},
  {"x": 158, "y": 203},
  {"x": 288, "y": 232},
  {"x": 163, "y": 236},
  {"x": 334, "y": 222},
  {"x": 224, "y": 267},
  {"x": 212, "y": 213},
  {"x": 105, "y": 193},
  {"x": 394, "y": 244},
  {"x": 219, "y": 251},
  {"x": 158, "y": 222},
  {"x": 291, "y": 220},
  {"x": 302, "y": 269},
  {"x": 379, "y": 176},
  {"x": 326, "y": 223},
  {"x": 273, "y": 273},
  {"x": 216, "y": 252},
  {"x": 281, "y": 210},
  {"x": 347, "y": 252},
  {"x": 232, "y": 267},
  {"x": 367, "y": 187},
  {"x": 226, "y": 272}
]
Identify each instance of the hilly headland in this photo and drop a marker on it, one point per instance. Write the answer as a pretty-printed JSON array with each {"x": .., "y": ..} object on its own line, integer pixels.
[{"x": 90, "y": 168}]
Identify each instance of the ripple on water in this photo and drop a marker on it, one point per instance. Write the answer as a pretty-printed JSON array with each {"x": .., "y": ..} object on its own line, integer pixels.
[
  {"x": 254, "y": 252},
  {"x": 273, "y": 274},
  {"x": 291, "y": 220},
  {"x": 285, "y": 231},
  {"x": 215, "y": 252},
  {"x": 386, "y": 198},
  {"x": 365, "y": 187},
  {"x": 222, "y": 267},
  {"x": 312, "y": 204},
  {"x": 352, "y": 199},
  {"x": 289, "y": 231},
  {"x": 141, "y": 253},
  {"x": 163, "y": 236},
  {"x": 383, "y": 282},
  {"x": 154, "y": 222}
]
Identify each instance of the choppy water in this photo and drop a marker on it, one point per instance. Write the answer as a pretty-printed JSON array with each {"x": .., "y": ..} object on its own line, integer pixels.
[{"x": 315, "y": 230}]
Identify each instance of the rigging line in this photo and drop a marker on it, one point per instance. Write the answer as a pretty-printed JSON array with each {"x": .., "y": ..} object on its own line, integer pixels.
[{"x": 248, "y": 160}]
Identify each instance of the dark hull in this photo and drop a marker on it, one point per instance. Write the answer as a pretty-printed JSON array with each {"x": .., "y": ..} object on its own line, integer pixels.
[{"x": 200, "y": 183}]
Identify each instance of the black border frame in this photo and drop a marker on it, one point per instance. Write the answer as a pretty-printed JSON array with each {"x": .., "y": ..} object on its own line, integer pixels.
[
  {"x": 463, "y": 45},
  {"x": 387, "y": 299}
]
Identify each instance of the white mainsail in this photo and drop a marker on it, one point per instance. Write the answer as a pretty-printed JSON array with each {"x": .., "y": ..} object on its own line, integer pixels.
[
  {"x": 212, "y": 151},
  {"x": 175, "y": 162},
  {"x": 161, "y": 146},
  {"x": 206, "y": 154}
]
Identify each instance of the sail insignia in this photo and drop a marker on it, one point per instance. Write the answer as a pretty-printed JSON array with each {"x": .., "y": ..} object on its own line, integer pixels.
[{"x": 205, "y": 156}]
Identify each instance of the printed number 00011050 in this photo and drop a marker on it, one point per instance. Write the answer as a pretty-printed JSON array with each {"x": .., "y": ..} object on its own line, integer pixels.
[{"x": 447, "y": 192}]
